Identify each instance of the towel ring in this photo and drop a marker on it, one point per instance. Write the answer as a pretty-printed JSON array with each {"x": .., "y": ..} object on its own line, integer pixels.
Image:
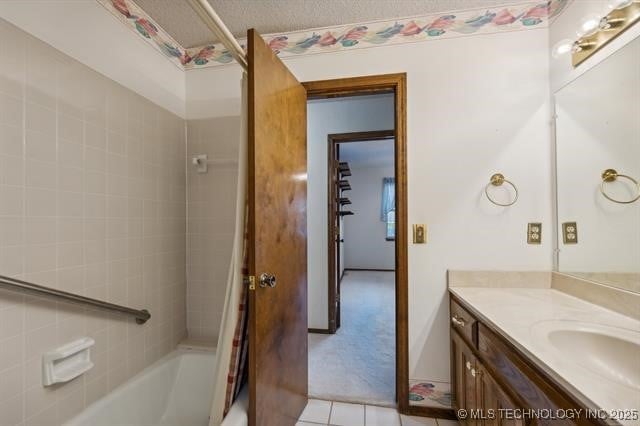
[
  {"x": 497, "y": 180},
  {"x": 610, "y": 175}
]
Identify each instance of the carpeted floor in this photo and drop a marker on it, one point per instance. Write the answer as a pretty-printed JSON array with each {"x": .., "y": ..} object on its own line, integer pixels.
[{"x": 357, "y": 364}]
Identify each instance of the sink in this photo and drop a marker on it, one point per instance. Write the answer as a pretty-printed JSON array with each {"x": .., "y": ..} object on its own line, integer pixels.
[{"x": 610, "y": 352}]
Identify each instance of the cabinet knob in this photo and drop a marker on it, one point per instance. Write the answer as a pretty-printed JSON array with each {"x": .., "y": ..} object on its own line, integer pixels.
[
  {"x": 468, "y": 364},
  {"x": 473, "y": 372},
  {"x": 457, "y": 320}
]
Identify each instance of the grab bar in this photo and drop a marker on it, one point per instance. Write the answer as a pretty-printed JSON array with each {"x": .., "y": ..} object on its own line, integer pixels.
[{"x": 141, "y": 316}]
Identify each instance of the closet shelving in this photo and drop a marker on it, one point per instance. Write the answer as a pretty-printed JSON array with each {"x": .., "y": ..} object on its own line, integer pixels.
[
  {"x": 343, "y": 169},
  {"x": 343, "y": 185}
]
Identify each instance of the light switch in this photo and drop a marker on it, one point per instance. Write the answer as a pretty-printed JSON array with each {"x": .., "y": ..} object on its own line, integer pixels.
[
  {"x": 570, "y": 233},
  {"x": 534, "y": 233},
  {"x": 419, "y": 233}
]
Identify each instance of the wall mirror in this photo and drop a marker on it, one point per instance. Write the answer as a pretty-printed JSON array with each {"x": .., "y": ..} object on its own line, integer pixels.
[{"x": 598, "y": 170}]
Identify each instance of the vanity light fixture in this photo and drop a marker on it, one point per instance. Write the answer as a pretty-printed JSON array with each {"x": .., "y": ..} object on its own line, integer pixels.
[
  {"x": 562, "y": 47},
  {"x": 597, "y": 30},
  {"x": 590, "y": 25}
]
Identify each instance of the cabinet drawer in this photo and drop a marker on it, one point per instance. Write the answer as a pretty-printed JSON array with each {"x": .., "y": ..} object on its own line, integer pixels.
[{"x": 464, "y": 323}]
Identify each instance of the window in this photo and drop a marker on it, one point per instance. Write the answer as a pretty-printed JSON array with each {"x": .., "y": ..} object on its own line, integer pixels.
[
  {"x": 388, "y": 207},
  {"x": 391, "y": 225}
]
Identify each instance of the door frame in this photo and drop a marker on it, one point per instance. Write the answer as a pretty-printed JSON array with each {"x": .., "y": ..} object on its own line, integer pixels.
[
  {"x": 332, "y": 207},
  {"x": 396, "y": 84}
]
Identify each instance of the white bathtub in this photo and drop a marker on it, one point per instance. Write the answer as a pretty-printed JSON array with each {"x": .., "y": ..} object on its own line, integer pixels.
[{"x": 175, "y": 391}]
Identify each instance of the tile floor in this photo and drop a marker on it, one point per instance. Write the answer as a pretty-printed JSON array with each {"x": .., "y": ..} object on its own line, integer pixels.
[{"x": 319, "y": 412}]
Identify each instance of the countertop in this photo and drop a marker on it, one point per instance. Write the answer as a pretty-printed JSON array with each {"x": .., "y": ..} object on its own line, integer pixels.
[{"x": 519, "y": 314}]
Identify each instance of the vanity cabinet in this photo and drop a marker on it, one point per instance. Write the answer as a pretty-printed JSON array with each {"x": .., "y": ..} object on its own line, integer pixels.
[
  {"x": 490, "y": 377},
  {"x": 475, "y": 390}
]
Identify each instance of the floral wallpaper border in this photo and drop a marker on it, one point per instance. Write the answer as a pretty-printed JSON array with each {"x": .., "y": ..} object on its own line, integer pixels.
[
  {"x": 134, "y": 17},
  {"x": 523, "y": 16},
  {"x": 429, "y": 393}
]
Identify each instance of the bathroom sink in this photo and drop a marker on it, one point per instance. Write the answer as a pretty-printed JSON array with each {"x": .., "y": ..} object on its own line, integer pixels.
[{"x": 610, "y": 352}]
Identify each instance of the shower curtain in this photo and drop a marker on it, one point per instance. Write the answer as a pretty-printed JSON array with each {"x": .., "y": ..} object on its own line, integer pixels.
[{"x": 232, "y": 350}]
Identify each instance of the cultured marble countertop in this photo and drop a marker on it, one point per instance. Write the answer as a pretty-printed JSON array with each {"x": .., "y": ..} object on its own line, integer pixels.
[{"x": 519, "y": 314}]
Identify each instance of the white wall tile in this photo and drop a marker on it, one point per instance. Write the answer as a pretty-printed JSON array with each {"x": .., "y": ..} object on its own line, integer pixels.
[{"x": 69, "y": 220}]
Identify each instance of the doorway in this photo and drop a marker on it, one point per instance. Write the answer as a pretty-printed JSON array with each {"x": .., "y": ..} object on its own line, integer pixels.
[
  {"x": 372, "y": 151},
  {"x": 393, "y": 86}
]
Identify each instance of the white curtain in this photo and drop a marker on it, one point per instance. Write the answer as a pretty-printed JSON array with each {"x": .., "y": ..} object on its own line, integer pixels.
[
  {"x": 388, "y": 197},
  {"x": 234, "y": 282}
]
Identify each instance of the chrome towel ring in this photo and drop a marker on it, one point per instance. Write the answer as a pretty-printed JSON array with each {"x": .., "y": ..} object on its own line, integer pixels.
[
  {"x": 610, "y": 175},
  {"x": 498, "y": 179}
]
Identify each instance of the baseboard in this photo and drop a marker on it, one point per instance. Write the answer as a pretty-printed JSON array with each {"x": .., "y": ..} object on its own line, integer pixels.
[
  {"x": 440, "y": 413},
  {"x": 320, "y": 330},
  {"x": 372, "y": 270}
]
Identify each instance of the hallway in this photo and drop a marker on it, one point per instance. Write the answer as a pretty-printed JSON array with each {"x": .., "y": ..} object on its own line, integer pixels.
[{"x": 357, "y": 364}]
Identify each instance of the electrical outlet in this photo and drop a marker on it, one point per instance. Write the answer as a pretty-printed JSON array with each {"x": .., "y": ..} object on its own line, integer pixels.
[
  {"x": 534, "y": 233},
  {"x": 570, "y": 233},
  {"x": 419, "y": 233}
]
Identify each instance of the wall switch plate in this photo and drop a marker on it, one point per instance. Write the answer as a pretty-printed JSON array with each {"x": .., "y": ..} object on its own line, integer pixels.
[
  {"x": 419, "y": 233},
  {"x": 570, "y": 233},
  {"x": 534, "y": 233}
]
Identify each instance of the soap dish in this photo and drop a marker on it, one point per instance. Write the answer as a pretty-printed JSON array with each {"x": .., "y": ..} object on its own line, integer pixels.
[{"x": 67, "y": 362}]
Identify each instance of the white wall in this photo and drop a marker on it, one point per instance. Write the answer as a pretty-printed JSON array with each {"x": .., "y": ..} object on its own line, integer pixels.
[
  {"x": 365, "y": 244},
  {"x": 476, "y": 105},
  {"x": 324, "y": 117}
]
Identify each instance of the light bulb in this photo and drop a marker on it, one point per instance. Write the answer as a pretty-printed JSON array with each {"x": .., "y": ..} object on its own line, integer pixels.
[
  {"x": 619, "y": 4},
  {"x": 590, "y": 25},
  {"x": 561, "y": 48}
]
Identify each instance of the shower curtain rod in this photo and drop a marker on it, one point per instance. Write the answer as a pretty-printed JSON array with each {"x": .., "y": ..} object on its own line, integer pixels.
[{"x": 215, "y": 24}]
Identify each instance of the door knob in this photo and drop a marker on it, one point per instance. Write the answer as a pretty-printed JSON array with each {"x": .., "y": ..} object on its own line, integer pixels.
[{"x": 267, "y": 280}]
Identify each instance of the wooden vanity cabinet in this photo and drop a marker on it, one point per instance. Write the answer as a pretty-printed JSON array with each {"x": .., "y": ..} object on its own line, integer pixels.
[
  {"x": 474, "y": 390},
  {"x": 488, "y": 375},
  {"x": 463, "y": 381},
  {"x": 493, "y": 398}
]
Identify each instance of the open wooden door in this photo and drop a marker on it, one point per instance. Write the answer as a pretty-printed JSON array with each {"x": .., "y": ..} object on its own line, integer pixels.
[{"x": 277, "y": 204}]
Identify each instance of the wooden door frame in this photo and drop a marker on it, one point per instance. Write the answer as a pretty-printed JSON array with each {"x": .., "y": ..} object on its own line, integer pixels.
[
  {"x": 396, "y": 84},
  {"x": 332, "y": 141}
]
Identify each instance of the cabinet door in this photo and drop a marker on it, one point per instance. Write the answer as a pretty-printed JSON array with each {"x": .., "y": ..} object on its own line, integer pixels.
[
  {"x": 464, "y": 378},
  {"x": 494, "y": 401}
]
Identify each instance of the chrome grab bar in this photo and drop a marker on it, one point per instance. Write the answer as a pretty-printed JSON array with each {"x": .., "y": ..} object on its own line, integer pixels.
[{"x": 141, "y": 316}]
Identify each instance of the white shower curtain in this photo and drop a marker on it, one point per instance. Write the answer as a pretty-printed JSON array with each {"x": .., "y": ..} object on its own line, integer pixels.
[{"x": 226, "y": 356}]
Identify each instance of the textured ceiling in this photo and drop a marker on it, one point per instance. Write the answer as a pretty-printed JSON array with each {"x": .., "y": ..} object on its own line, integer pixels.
[{"x": 276, "y": 16}]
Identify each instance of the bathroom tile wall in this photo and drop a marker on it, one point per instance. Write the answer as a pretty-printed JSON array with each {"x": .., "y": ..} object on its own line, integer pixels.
[
  {"x": 211, "y": 220},
  {"x": 92, "y": 201}
]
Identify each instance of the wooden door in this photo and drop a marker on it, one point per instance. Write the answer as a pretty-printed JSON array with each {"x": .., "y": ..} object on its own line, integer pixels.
[
  {"x": 337, "y": 237},
  {"x": 493, "y": 400},
  {"x": 464, "y": 374},
  {"x": 277, "y": 204}
]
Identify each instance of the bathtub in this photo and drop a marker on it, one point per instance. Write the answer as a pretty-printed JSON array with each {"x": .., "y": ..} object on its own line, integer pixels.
[{"x": 174, "y": 391}]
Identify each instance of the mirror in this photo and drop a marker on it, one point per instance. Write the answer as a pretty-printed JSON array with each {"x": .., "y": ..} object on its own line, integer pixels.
[{"x": 598, "y": 129}]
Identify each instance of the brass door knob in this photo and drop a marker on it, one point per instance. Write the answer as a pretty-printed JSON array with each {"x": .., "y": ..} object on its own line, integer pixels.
[{"x": 267, "y": 280}]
